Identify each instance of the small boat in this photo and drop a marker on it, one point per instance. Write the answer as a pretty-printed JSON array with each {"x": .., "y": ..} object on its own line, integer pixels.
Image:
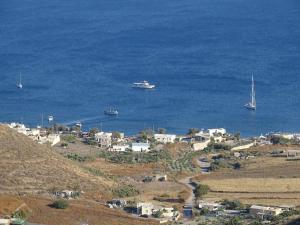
[
  {"x": 20, "y": 85},
  {"x": 50, "y": 118},
  {"x": 111, "y": 112},
  {"x": 78, "y": 124},
  {"x": 143, "y": 85},
  {"x": 252, "y": 104}
]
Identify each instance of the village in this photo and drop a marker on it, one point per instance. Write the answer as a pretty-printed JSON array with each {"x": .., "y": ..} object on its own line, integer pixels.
[{"x": 208, "y": 151}]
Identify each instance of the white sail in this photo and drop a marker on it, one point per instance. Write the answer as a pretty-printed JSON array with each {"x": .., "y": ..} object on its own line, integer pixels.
[
  {"x": 252, "y": 104},
  {"x": 20, "y": 85}
]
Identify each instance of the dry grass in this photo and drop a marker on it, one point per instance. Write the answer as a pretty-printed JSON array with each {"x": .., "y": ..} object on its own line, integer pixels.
[
  {"x": 78, "y": 211},
  {"x": 27, "y": 167},
  {"x": 254, "y": 185},
  {"x": 124, "y": 169},
  {"x": 264, "y": 180},
  {"x": 8, "y": 204}
]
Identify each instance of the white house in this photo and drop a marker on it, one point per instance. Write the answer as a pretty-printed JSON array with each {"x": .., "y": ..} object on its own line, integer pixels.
[
  {"x": 119, "y": 148},
  {"x": 33, "y": 132},
  {"x": 198, "y": 146},
  {"x": 211, "y": 206},
  {"x": 20, "y": 128},
  {"x": 165, "y": 138},
  {"x": 103, "y": 138},
  {"x": 144, "y": 208},
  {"x": 264, "y": 211},
  {"x": 215, "y": 131},
  {"x": 53, "y": 139},
  {"x": 140, "y": 147}
]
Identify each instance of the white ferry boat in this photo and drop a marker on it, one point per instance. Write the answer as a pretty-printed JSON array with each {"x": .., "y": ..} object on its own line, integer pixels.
[{"x": 143, "y": 85}]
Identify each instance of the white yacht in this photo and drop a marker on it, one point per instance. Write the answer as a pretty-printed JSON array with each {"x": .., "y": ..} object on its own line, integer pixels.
[
  {"x": 20, "y": 85},
  {"x": 143, "y": 85},
  {"x": 252, "y": 104},
  {"x": 50, "y": 118}
]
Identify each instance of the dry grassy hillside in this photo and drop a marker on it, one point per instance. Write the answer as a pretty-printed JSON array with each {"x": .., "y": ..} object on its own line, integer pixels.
[{"x": 26, "y": 166}]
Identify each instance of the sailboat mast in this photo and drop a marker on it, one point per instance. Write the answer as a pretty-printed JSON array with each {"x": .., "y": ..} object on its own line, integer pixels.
[{"x": 253, "y": 93}]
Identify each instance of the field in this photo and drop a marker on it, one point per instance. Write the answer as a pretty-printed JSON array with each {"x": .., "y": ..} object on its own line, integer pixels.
[{"x": 264, "y": 180}]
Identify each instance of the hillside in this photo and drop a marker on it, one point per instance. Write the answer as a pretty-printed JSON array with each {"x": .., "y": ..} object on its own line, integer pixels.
[{"x": 28, "y": 167}]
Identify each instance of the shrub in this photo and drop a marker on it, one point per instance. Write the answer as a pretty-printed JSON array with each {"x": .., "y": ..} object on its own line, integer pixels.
[
  {"x": 200, "y": 190},
  {"x": 237, "y": 166},
  {"x": 60, "y": 204},
  {"x": 232, "y": 205},
  {"x": 19, "y": 214},
  {"x": 158, "y": 214},
  {"x": 69, "y": 138}
]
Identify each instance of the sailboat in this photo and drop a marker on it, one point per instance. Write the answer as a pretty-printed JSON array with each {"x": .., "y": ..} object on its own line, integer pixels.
[
  {"x": 111, "y": 112},
  {"x": 20, "y": 85},
  {"x": 252, "y": 104}
]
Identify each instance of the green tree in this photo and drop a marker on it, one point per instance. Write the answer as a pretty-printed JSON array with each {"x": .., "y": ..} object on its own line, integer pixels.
[
  {"x": 237, "y": 136},
  {"x": 116, "y": 135},
  {"x": 146, "y": 134},
  {"x": 162, "y": 130},
  {"x": 232, "y": 205},
  {"x": 201, "y": 190},
  {"x": 93, "y": 131},
  {"x": 193, "y": 131}
]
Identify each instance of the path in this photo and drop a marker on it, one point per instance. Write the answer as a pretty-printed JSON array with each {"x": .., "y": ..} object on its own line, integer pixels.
[{"x": 191, "y": 199}]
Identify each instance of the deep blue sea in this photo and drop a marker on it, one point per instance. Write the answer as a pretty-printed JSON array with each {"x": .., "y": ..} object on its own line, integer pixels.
[{"x": 78, "y": 57}]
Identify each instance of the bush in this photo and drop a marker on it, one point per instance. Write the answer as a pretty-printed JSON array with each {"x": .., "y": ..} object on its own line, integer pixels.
[
  {"x": 232, "y": 205},
  {"x": 158, "y": 214},
  {"x": 60, "y": 204},
  {"x": 19, "y": 214},
  {"x": 201, "y": 190},
  {"x": 237, "y": 166},
  {"x": 69, "y": 138}
]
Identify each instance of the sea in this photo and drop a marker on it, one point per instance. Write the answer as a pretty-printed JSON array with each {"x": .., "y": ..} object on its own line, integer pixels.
[{"x": 80, "y": 57}]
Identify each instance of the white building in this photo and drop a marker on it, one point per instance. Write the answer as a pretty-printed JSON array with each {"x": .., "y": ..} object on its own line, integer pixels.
[
  {"x": 264, "y": 211},
  {"x": 199, "y": 146},
  {"x": 144, "y": 208},
  {"x": 216, "y": 131},
  {"x": 33, "y": 132},
  {"x": 103, "y": 138},
  {"x": 140, "y": 147},
  {"x": 20, "y": 128},
  {"x": 211, "y": 206},
  {"x": 53, "y": 139},
  {"x": 165, "y": 138},
  {"x": 119, "y": 148}
]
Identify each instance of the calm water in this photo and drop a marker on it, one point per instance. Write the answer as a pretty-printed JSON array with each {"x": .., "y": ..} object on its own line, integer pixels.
[{"x": 78, "y": 57}]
